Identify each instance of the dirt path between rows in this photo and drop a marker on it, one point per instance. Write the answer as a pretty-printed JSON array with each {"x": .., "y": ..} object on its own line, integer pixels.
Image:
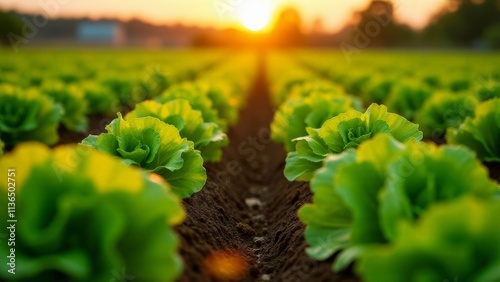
[{"x": 244, "y": 220}]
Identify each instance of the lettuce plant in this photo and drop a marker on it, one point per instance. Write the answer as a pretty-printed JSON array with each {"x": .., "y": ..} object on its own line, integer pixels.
[
  {"x": 457, "y": 241},
  {"x": 101, "y": 99},
  {"x": 84, "y": 216},
  {"x": 27, "y": 115},
  {"x": 488, "y": 90},
  {"x": 73, "y": 102},
  {"x": 197, "y": 98},
  {"x": 480, "y": 133},
  {"x": 444, "y": 111},
  {"x": 342, "y": 132},
  {"x": 295, "y": 115},
  {"x": 157, "y": 147},
  {"x": 360, "y": 196},
  {"x": 407, "y": 98},
  {"x": 223, "y": 97},
  {"x": 207, "y": 137}
]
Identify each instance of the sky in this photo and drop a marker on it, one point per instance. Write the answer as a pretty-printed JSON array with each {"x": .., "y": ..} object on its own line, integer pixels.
[{"x": 220, "y": 13}]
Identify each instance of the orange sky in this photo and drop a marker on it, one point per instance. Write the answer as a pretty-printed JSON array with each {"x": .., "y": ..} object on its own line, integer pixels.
[{"x": 333, "y": 13}]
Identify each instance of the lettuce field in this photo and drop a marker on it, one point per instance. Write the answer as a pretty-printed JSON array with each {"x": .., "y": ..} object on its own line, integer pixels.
[{"x": 223, "y": 165}]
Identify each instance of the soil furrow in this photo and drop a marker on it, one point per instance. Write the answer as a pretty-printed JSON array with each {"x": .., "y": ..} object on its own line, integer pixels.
[{"x": 247, "y": 211}]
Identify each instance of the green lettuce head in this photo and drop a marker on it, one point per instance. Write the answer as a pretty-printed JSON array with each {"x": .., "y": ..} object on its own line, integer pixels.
[
  {"x": 342, "y": 132},
  {"x": 207, "y": 137},
  {"x": 444, "y": 111},
  {"x": 73, "y": 102},
  {"x": 360, "y": 196},
  {"x": 407, "y": 98},
  {"x": 481, "y": 133},
  {"x": 295, "y": 115},
  {"x": 224, "y": 99},
  {"x": 84, "y": 216},
  {"x": 102, "y": 100},
  {"x": 157, "y": 147},
  {"x": 26, "y": 115},
  {"x": 198, "y": 99},
  {"x": 457, "y": 241}
]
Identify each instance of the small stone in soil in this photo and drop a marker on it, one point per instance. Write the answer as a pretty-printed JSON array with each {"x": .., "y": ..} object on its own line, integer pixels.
[
  {"x": 265, "y": 277},
  {"x": 258, "y": 241},
  {"x": 245, "y": 229},
  {"x": 253, "y": 203}
]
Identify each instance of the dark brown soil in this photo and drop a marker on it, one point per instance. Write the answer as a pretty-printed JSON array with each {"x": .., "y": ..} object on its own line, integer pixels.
[
  {"x": 494, "y": 169},
  {"x": 248, "y": 209}
]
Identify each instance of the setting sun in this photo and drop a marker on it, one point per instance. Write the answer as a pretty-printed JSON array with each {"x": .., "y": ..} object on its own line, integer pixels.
[{"x": 255, "y": 15}]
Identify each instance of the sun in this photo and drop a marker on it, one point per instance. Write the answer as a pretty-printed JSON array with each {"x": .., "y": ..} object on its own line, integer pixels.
[{"x": 255, "y": 15}]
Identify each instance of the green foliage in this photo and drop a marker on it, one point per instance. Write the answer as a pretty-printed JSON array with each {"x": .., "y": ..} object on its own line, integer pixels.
[
  {"x": 481, "y": 133},
  {"x": 342, "y": 132},
  {"x": 295, "y": 115},
  {"x": 196, "y": 97},
  {"x": 407, "y": 98},
  {"x": 457, "y": 241},
  {"x": 73, "y": 102},
  {"x": 84, "y": 216},
  {"x": 2, "y": 146},
  {"x": 99, "y": 99},
  {"x": 361, "y": 196},
  {"x": 207, "y": 137},
  {"x": 157, "y": 147},
  {"x": 444, "y": 111},
  {"x": 27, "y": 115},
  {"x": 223, "y": 98}
]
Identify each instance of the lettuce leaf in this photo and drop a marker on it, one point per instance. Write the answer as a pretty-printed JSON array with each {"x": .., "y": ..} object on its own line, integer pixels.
[
  {"x": 198, "y": 99},
  {"x": 100, "y": 99},
  {"x": 456, "y": 241},
  {"x": 157, "y": 147},
  {"x": 295, "y": 115},
  {"x": 73, "y": 101},
  {"x": 480, "y": 133},
  {"x": 27, "y": 116},
  {"x": 444, "y": 111},
  {"x": 207, "y": 137},
  {"x": 360, "y": 196},
  {"x": 84, "y": 216},
  {"x": 342, "y": 132},
  {"x": 407, "y": 98}
]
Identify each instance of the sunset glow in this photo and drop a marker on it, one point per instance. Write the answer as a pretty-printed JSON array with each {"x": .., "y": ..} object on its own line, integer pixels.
[{"x": 255, "y": 15}]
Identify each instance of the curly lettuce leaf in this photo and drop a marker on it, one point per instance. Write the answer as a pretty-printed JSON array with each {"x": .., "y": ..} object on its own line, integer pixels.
[
  {"x": 27, "y": 116},
  {"x": 295, "y": 115},
  {"x": 407, "y": 98},
  {"x": 73, "y": 101},
  {"x": 382, "y": 183},
  {"x": 198, "y": 99},
  {"x": 481, "y": 133},
  {"x": 453, "y": 241},
  {"x": 223, "y": 97},
  {"x": 157, "y": 147},
  {"x": 347, "y": 130},
  {"x": 100, "y": 99},
  {"x": 207, "y": 137},
  {"x": 444, "y": 111},
  {"x": 84, "y": 216}
]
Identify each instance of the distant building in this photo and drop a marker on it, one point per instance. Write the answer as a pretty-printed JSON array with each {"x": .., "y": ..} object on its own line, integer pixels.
[{"x": 105, "y": 33}]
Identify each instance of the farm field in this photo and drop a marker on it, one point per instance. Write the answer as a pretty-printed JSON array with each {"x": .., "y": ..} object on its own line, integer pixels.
[{"x": 224, "y": 165}]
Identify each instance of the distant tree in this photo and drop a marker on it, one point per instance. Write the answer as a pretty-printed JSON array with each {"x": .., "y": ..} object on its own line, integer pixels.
[
  {"x": 464, "y": 22},
  {"x": 376, "y": 22},
  {"x": 9, "y": 23},
  {"x": 288, "y": 29}
]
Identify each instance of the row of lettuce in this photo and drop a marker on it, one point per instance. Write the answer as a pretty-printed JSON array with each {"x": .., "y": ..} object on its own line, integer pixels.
[
  {"x": 435, "y": 90},
  {"x": 399, "y": 208},
  {"x": 105, "y": 209},
  {"x": 40, "y": 97}
]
